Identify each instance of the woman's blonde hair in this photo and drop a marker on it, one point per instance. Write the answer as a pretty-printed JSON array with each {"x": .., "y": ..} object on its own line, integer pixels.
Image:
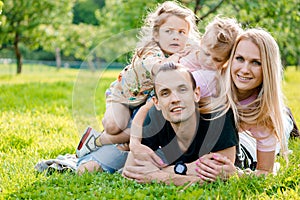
[
  {"x": 267, "y": 110},
  {"x": 154, "y": 20}
]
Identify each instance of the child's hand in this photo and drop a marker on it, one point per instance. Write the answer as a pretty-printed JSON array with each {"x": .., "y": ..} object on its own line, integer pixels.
[
  {"x": 149, "y": 103},
  {"x": 185, "y": 52},
  {"x": 173, "y": 58},
  {"x": 176, "y": 56}
]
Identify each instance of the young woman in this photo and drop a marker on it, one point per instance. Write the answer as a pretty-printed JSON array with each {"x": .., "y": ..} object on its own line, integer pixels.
[{"x": 254, "y": 75}]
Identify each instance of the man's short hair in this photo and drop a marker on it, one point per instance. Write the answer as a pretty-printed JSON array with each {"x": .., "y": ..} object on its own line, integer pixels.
[{"x": 171, "y": 66}]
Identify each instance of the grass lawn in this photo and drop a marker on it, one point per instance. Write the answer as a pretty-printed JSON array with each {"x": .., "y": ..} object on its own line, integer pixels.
[{"x": 43, "y": 113}]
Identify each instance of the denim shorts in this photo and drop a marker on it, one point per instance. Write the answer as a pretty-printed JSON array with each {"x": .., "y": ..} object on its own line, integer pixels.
[{"x": 109, "y": 157}]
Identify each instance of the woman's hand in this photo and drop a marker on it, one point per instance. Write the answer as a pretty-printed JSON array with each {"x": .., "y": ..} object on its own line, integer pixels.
[{"x": 213, "y": 165}]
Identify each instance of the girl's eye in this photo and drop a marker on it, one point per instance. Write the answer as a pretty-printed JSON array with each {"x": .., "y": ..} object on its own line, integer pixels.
[
  {"x": 168, "y": 31},
  {"x": 182, "y": 32}
]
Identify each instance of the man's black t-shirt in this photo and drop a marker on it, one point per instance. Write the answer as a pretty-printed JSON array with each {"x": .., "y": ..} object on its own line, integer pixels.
[{"x": 211, "y": 136}]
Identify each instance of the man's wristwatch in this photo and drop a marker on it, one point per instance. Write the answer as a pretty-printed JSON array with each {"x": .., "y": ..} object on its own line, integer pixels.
[{"x": 180, "y": 168}]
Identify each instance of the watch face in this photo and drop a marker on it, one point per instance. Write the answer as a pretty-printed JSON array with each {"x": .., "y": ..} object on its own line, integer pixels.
[{"x": 180, "y": 168}]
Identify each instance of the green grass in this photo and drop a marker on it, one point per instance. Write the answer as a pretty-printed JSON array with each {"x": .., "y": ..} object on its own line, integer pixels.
[{"x": 41, "y": 118}]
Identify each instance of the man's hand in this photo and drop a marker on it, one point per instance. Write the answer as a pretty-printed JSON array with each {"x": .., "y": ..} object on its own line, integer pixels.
[
  {"x": 143, "y": 153},
  {"x": 143, "y": 172}
]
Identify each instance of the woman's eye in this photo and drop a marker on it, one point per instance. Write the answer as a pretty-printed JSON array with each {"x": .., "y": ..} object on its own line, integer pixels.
[
  {"x": 239, "y": 58},
  {"x": 257, "y": 63}
]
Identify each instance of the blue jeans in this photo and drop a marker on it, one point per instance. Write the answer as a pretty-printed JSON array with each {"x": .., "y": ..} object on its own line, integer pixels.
[{"x": 109, "y": 157}]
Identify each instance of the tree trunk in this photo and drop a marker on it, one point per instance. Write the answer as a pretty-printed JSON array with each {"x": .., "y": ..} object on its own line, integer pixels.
[
  {"x": 57, "y": 58},
  {"x": 18, "y": 54}
]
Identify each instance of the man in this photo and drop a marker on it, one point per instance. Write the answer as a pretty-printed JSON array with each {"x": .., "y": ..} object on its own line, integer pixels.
[{"x": 182, "y": 138}]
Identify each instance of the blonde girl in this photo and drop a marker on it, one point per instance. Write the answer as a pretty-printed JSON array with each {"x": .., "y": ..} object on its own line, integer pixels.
[
  {"x": 215, "y": 48},
  {"x": 168, "y": 33}
]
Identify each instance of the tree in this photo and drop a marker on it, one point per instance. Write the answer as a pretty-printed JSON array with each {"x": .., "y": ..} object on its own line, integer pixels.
[{"x": 21, "y": 19}]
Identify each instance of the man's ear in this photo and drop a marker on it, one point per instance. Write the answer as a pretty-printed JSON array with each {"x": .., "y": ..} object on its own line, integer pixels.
[
  {"x": 197, "y": 94},
  {"x": 156, "y": 104}
]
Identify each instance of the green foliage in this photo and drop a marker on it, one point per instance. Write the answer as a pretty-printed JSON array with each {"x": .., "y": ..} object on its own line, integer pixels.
[
  {"x": 37, "y": 122},
  {"x": 1, "y": 5},
  {"x": 84, "y": 11},
  {"x": 118, "y": 16}
]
